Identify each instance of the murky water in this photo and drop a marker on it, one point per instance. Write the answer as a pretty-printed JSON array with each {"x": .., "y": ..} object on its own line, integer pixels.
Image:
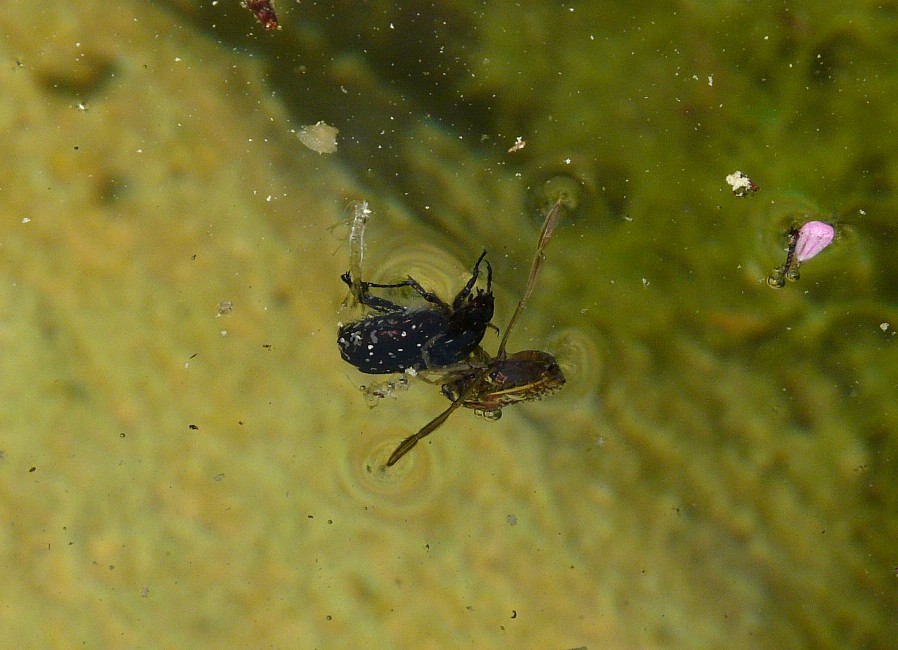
[{"x": 718, "y": 469}]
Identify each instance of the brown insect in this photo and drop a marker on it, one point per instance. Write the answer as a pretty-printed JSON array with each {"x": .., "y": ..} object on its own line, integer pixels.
[{"x": 488, "y": 384}]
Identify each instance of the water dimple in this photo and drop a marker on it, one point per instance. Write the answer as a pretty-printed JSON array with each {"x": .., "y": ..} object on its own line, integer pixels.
[
  {"x": 580, "y": 358},
  {"x": 404, "y": 489}
]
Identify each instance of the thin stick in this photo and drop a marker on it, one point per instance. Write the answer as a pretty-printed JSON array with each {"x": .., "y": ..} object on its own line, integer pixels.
[{"x": 548, "y": 230}]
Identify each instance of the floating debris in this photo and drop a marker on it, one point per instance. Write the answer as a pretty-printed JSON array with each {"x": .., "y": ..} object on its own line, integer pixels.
[
  {"x": 361, "y": 213},
  {"x": 813, "y": 237},
  {"x": 264, "y": 12},
  {"x": 803, "y": 244},
  {"x": 319, "y": 137},
  {"x": 382, "y": 390},
  {"x": 741, "y": 184},
  {"x": 519, "y": 144}
]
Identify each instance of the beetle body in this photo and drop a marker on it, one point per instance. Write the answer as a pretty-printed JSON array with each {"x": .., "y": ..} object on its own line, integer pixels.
[
  {"x": 520, "y": 377},
  {"x": 396, "y": 338}
]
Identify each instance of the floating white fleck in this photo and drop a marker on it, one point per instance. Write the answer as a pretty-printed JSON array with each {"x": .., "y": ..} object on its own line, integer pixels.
[
  {"x": 741, "y": 184},
  {"x": 319, "y": 137},
  {"x": 519, "y": 144}
]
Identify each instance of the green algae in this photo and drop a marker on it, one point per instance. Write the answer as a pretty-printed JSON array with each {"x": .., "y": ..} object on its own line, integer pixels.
[{"x": 720, "y": 466}]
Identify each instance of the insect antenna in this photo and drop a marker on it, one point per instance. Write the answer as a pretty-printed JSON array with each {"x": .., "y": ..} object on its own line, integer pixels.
[{"x": 549, "y": 225}]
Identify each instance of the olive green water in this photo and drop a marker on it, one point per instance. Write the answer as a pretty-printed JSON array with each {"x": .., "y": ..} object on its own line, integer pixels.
[{"x": 720, "y": 468}]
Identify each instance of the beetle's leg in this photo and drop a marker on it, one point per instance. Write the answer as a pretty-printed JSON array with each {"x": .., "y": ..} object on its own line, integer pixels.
[
  {"x": 347, "y": 278},
  {"x": 466, "y": 290},
  {"x": 376, "y": 303},
  {"x": 477, "y": 360},
  {"x": 425, "y": 350},
  {"x": 429, "y": 296},
  {"x": 429, "y": 345}
]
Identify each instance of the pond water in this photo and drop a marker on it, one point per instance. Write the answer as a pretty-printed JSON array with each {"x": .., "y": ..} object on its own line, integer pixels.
[{"x": 185, "y": 453}]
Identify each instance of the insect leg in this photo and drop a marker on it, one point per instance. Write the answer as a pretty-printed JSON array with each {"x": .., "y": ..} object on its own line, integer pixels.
[
  {"x": 364, "y": 295},
  {"x": 427, "y": 347},
  {"x": 406, "y": 445},
  {"x": 549, "y": 225},
  {"x": 469, "y": 286},
  {"x": 429, "y": 296}
]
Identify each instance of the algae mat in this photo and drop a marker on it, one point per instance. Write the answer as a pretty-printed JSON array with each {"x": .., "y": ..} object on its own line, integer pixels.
[{"x": 177, "y": 473}]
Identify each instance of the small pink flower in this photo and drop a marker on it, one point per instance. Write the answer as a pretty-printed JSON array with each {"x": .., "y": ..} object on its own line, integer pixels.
[
  {"x": 813, "y": 237},
  {"x": 804, "y": 243}
]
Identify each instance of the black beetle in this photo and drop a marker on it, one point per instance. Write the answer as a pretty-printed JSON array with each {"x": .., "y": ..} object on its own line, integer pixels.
[{"x": 400, "y": 338}]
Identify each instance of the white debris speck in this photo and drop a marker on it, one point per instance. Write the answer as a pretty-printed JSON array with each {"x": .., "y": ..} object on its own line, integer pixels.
[
  {"x": 319, "y": 137},
  {"x": 741, "y": 184},
  {"x": 519, "y": 144}
]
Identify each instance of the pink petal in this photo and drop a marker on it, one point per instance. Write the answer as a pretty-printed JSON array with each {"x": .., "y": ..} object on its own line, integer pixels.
[{"x": 813, "y": 237}]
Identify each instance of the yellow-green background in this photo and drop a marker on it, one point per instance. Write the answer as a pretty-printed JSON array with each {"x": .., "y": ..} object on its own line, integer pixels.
[{"x": 720, "y": 469}]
